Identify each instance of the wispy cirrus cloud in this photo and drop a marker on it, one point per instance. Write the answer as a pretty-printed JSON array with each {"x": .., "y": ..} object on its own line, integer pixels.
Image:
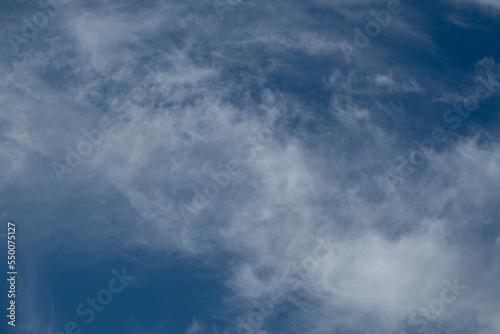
[{"x": 183, "y": 90}]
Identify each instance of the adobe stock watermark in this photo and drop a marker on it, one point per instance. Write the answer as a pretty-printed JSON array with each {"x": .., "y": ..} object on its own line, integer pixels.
[
  {"x": 372, "y": 29},
  {"x": 222, "y": 6},
  {"x": 437, "y": 306},
  {"x": 290, "y": 282},
  {"x": 138, "y": 94},
  {"x": 74, "y": 158},
  {"x": 95, "y": 137},
  {"x": 408, "y": 165},
  {"x": 248, "y": 149},
  {"x": 97, "y": 304},
  {"x": 30, "y": 27}
]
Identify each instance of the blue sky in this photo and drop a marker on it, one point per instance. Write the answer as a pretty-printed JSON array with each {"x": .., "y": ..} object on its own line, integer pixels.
[{"x": 245, "y": 166}]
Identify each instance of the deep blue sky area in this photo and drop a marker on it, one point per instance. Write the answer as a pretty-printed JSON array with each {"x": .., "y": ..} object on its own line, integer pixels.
[{"x": 250, "y": 166}]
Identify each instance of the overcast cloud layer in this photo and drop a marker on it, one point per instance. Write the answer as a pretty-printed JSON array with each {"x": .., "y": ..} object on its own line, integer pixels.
[{"x": 257, "y": 166}]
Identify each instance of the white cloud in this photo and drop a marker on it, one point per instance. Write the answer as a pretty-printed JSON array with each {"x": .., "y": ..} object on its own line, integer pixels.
[
  {"x": 489, "y": 4},
  {"x": 318, "y": 176},
  {"x": 194, "y": 328}
]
